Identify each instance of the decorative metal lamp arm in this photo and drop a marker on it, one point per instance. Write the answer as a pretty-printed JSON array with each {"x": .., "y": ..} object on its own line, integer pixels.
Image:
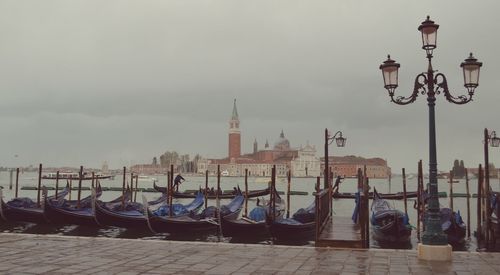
[
  {"x": 419, "y": 87},
  {"x": 331, "y": 139},
  {"x": 442, "y": 86}
]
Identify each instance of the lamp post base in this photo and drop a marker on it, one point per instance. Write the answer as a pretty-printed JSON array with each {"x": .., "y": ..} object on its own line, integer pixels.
[{"x": 442, "y": 253}]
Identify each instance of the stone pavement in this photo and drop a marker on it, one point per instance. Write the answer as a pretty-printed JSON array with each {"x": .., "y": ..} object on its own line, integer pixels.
[{"x": 49, "y": 254}]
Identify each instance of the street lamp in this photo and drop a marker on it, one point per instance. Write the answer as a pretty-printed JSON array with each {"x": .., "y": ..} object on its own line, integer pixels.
[
  {"x": 494, "y": 141},
  {"x": 340, "y": 141},
  {"x": 432, "y": 84}
]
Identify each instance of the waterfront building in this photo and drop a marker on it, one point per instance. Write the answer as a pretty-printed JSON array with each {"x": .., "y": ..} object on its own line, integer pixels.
[
  {"x": 149, "y": 169},
  {"x": 301, "y": 161},
  {"x": 306, "y": 164},
  {"x": 347, "y": 166}
]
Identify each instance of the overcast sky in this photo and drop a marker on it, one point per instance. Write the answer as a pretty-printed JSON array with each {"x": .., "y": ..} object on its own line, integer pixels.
[{"x": 82, "y": 82}]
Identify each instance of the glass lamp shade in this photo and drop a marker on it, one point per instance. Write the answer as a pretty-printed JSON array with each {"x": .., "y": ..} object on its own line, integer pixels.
[
  {"x": 340, "y": 141},
  {"x": 429, "y": 35},
  {"x": 495, "y": 141},
  {"x": 390, "y": 73},
  {"x": 471, "y": 69}
]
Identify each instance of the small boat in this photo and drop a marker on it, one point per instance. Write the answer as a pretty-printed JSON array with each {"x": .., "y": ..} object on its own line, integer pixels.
[
  {"x": 74, "y": 176},
  {"x": 25, "y": 209},
  {"x": 389, "y": 225},
  {"x": 132, "y": 215},
  {"x": 301, "y": 227},
  {"x": 453, "y": 225},
  {"x": 392, "y": 196},
  {"x": 64, "y": 211},
  {"x": 189, "y": 222},
  {"x": 211, "y": 194},
  {"x": 256, "y": 225}
]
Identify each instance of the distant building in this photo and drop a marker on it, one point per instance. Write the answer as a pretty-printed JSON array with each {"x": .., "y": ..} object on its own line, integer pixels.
[
  {"x": 348, "y": 166},
  {"x": 149, "y": 169},
  {"x": 306, "y": 164},
  {"x": 301, "y": 162}
]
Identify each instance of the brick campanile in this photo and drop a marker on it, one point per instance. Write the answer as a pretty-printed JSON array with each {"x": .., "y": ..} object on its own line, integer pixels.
[{"x": 234, "y": 134}]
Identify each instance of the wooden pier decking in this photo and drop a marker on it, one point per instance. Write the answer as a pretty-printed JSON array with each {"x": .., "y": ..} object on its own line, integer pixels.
[{"x": 341, "y": 232}]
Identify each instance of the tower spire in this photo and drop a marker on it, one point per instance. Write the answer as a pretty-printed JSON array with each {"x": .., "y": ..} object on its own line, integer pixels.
[{"x": 235, "y": 111}]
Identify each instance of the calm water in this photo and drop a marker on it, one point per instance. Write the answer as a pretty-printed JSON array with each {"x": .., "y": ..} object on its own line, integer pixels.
[{"x": 342, "y": 207}]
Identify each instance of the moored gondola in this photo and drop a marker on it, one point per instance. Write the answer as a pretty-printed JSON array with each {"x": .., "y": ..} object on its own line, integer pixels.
[
  {"x": 205, "y": 222},
  {"x": 392, "y": 196},
  {"x": 453, "y": 226},
  {"x": 132, "y": 214},
  {"x": 25, "y": 209},
  {"x": 211, "y": 193},
  {"x": 301, "y": 227},
  {"x": 64, "y": 211},
  {"x": 256, "y": 225},
  {"x": 389, "y": 225}
]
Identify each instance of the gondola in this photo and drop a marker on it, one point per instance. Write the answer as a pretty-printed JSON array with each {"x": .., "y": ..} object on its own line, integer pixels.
[
  {"x": 64, "y": 211},
  {"x": 301, "y": 227},
  {"x": 25, "y": 209},
  {"x": 213, "y": 195},
  {"x": 389, "y": 225},
  {"x": 205, "y": 222},
  {"x": 392, "y": 196},
  {"x": 453, "y": 226},
  {"x": 451, "y": 223},
  {"x": 132, "y": 216},
  {"x": 255, "y": 226}
]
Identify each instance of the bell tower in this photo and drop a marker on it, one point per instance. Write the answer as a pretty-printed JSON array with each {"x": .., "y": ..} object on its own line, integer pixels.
[{"x": 234, "y": 134}]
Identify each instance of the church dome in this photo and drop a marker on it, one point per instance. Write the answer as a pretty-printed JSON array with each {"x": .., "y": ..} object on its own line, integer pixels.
[{"x": 282, "y": 143}]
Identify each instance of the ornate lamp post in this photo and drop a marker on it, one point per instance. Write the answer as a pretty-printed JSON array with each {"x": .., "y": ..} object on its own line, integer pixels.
[
  {"x": 494, "y": 141},
  {"x": 432, "y": 84},
  {"x": 340, "y": 141}
]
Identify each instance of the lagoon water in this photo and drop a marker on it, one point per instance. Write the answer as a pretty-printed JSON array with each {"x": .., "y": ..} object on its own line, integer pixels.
[{"x": 342, "y": 207}]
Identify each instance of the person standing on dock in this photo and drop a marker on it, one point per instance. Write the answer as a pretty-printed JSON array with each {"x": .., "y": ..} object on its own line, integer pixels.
[{"x": 177, "y": 181}]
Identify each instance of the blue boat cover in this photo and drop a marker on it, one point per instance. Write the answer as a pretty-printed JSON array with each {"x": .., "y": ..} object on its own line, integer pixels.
[
  {"x": 233, "y": 206},
  {"x": 258, "y": 214},
  {"x": 289, "y": 221},
  {"x": 179, "y": 209},
  {"x": 305, "y": 215}
]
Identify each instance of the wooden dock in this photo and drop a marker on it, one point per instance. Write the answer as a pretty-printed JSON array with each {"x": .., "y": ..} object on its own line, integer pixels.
[{"x": 341, "y": 232}]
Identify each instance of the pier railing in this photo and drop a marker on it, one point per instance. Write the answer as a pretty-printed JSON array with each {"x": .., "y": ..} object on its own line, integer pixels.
[{"x": 323, "y": 209}]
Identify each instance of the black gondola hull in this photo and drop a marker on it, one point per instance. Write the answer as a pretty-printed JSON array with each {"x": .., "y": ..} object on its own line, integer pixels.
[
  {"x": 293, "y": 232},
  {"x": 20, "y": 214},
  {"x": 243, "y": 229},
  {"x": 186, "y": 225},
  {"x": 107, "y": 217},
  {"x": 59, "y": 215}
]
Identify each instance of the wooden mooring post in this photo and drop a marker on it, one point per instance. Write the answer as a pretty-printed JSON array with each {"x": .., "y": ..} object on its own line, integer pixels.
[
  {"x": 479, "y": 207},
  {"x": 289, "y": 177},
  {"x": 206, "y": 189},
  {"x": 57, "y": 183},
  {"x": 171, "y": 190},
  {"x": 404, "y": 192},
  {"x": 366, "y": 216},
  {"x": 123, "y": 186},
  {"x": 273, "y": 182},
  {"x": 245, "y": 212},
  {"x": 451, "y": 191},
  {"x": 131, "y": 185},
  {"x": 11, "y": 178},
  {"x": 17, "y": 182},
  {"x": 80, "y": 176},
  {"x": 39, "y": 185},
  {"x": 468, "y": 203}
]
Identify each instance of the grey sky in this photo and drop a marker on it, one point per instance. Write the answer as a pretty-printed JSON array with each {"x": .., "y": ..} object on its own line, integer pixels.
[{"x": 86, "y": 81}]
